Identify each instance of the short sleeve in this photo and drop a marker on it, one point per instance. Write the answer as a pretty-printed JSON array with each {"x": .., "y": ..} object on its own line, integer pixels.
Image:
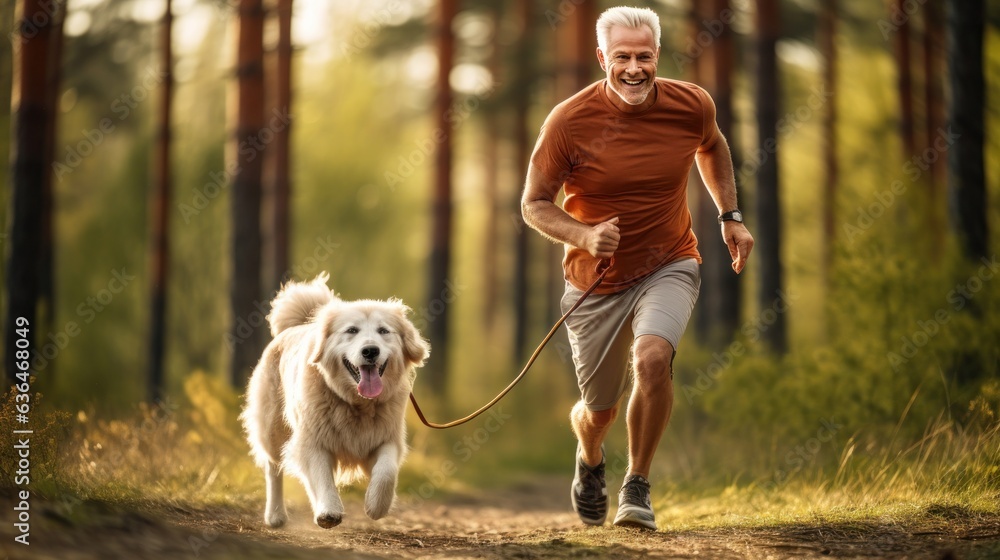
[
  {"x": 553, "y": 154},
  {"x": 710, "y": 130}
]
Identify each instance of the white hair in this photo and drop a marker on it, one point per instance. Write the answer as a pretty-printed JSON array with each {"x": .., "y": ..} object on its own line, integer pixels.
[{"x": 624, "y": 16}]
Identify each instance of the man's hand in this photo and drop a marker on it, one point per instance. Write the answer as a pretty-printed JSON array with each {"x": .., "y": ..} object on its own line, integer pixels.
[
  {"x": 739, "y": 241},
  {"x": 602, "y": 240}
]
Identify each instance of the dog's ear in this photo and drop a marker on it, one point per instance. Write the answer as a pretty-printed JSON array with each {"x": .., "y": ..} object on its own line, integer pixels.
[
  {"x": 324, "y": 328},
  {"x": 415, "y": 348}
]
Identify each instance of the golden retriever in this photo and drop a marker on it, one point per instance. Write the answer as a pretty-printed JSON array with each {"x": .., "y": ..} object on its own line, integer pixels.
[{"x": 326, "y": 402}]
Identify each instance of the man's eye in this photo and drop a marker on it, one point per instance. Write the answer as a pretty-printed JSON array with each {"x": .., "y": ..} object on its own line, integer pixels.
[
  {"x": 383, "y": 330},
  {"x": 352, "y": 330}
]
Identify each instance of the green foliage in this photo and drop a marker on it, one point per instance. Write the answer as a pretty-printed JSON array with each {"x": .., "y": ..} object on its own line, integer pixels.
[
  {"x": 948, "y": 469},
  {"x": 189, "y": 451},
  {"x": 49, "y": 429}
]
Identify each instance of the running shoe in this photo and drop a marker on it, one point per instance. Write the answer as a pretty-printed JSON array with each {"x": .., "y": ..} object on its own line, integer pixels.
[
  {"x": 634, "y": 506},
  {"x": 589, "y": 493}
]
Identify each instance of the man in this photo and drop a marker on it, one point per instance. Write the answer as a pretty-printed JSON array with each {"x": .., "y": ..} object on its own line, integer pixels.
[{"x": 622, "y": 149}]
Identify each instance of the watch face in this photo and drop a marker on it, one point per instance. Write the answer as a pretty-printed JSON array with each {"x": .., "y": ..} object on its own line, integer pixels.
[{"x": 738, "y": 216}]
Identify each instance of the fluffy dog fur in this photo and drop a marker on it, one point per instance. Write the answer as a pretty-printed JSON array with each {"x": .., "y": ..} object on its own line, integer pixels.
[{"x": 326, "y": 402}]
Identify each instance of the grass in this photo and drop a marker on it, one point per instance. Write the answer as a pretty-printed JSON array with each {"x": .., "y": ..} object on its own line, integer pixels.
[
  {"x": 951, "y": 471},
  {"x": 191, "y": 453}
]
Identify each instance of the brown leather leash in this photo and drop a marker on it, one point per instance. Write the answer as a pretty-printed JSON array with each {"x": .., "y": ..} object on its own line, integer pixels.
[{"x": 602, "y": 268}]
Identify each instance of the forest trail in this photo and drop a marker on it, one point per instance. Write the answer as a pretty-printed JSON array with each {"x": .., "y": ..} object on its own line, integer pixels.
[{"x": 527, "y": 521}]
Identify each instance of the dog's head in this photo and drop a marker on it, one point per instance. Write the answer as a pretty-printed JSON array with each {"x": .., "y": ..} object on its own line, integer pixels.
[{"x": 367, "y": 348}]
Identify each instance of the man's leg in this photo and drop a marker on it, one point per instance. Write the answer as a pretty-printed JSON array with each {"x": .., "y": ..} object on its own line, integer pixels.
[
  {"x": 591, "y": 428},
  {"x": 601, "y": 340},
  {"x": 589, "y": 493},
  {"x": 648, "y": 413},
  {"x": 651, "y": 401}
]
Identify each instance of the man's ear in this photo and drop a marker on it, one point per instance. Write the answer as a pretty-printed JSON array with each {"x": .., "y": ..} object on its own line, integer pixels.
[{"x": 600, "y": 58}]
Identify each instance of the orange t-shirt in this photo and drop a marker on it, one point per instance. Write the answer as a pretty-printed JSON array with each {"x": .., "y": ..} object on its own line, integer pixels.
[{"x": 630, "y": 165}]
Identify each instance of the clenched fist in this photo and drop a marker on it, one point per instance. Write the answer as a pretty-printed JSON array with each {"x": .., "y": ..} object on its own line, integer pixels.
[{"x": 602, "y": 240}]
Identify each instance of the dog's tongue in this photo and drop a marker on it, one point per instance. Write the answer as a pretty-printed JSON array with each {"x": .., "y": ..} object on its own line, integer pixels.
[{"x": 371, "y": 383}]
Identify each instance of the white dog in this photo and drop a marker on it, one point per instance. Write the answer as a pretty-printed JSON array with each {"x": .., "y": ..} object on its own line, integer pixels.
[{"x": 326, "y": 402}]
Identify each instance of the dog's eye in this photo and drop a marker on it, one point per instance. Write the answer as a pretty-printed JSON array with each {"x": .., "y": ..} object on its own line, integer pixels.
[
  {"x": 383, "y": 330},
  {"x": 352, "y": 330}
]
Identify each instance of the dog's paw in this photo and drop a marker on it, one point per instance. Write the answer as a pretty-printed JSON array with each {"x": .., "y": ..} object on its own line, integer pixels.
[
  {"x": 275, "y": 519},
  {"x": 377, "y": 505},
  {"x": 329, "y": 520}
]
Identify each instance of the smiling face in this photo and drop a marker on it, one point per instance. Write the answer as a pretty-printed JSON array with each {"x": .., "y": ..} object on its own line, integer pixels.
[
  {"x": 367, "y": 347},
  {"x": 630, "y": 65}
]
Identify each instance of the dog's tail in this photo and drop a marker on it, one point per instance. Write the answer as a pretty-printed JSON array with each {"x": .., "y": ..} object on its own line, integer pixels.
[{"x": 297, "y": 301}]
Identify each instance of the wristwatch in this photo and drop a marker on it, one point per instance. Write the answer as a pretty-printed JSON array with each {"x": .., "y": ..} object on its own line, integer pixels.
[{"x": 732, "y": 215}]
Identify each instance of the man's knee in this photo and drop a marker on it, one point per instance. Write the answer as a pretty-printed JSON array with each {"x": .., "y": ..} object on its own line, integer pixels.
[
  {"x": 652, "y": 361},
  {"x": 596, "y": 417},
  {"x": 603, "y": 417}
]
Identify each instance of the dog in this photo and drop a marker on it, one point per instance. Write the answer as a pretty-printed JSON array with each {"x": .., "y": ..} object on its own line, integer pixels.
[{"x": 326, "y": 402}]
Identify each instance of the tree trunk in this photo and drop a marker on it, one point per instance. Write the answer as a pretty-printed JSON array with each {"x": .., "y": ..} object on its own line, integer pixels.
[
  {"x": 701, "y": 72},
  {"x": 717, "y": 315},
  {"x": 729, "y": 305},
  {"x": 160, "y": 215},
  {"x": 904, "y": 83},
  {"x": 935, "y": 119},
  {"x": 828, "y": 48},
  {"x": 46, "y": 259},
  {"x": 522, "y": 150},
  {"x": 967, "y": 184},
  {"x": 30, "y": 115},
  {"x": 492, "y": 180},
  {"x": 768, "y": 245},
  {"x": 438, "y": 297},
  {"x": 585, "y": 39},
  {"x": 245, "y": 156},
  {"x": 278, "y": 152}
]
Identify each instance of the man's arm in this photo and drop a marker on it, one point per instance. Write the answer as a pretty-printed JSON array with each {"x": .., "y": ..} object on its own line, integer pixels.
[
  {"x": 539, "y": 210},
  {"x": 716, "y": 167}
]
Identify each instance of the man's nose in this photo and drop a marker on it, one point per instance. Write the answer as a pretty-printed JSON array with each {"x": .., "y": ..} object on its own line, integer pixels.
[{"x": 633, "y": 64}]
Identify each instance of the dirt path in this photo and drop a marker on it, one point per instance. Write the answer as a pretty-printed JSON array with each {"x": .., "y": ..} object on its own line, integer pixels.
[{"x": 529, "y": 521}]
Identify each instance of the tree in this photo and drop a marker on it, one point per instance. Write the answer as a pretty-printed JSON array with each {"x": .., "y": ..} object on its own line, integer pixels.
[
  {"x": 440, "y": 265},
  {"x": 934, "y": 117},
  {"x": 160, "y": 214},
  {"x": 278, "y": 153},
  {"x": 31, "y": 117},
  {"x": 828, "y": 48},
  {"x": 46, "y": 260},
  {"x": 522, "y": 148},
  {"x": 768, "y": 245},
  {"x": 718, "y": 312},
  {"x": 904, "y": 82},
  {"x": 492, "y": 178},
  {"x": 585, "y": 41},
  {"x": 967, "y": 180},
  {"x": 245, "y": 160}
]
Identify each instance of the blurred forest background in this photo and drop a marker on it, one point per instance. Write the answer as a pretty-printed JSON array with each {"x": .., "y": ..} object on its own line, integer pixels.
[{"x": 858, "y": 128}]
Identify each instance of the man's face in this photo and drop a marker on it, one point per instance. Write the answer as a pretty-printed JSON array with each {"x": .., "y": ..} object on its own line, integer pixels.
[{"x": 630, "y": 64}]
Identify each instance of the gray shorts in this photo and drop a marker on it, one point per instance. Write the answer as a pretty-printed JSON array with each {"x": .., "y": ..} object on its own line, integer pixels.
[{"x": 603, "y": 328}]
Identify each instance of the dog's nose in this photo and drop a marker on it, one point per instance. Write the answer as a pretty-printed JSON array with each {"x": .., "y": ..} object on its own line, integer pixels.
[{"x": 369, "y": 352}]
